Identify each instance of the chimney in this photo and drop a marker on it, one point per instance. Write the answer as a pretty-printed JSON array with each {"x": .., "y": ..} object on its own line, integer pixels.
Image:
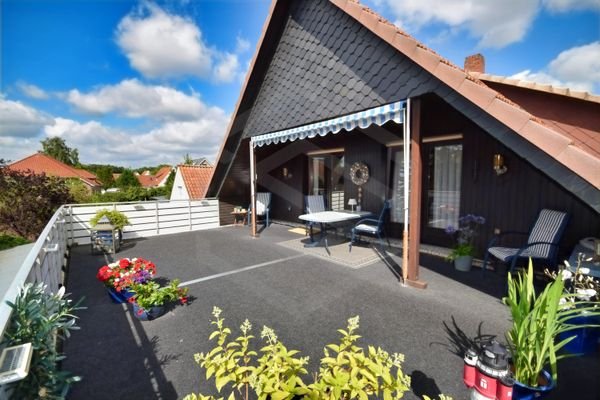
[{"x": 475, "y": 63}]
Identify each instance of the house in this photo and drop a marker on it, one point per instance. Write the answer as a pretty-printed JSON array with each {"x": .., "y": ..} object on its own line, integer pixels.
[
  {"x": 40, "y": 163},
  {"x": 191, "y": 182},
  {"x": 201, "y": 161},
  {"x": 333, "y": 84},
  {"x": 159, "y": 179}
]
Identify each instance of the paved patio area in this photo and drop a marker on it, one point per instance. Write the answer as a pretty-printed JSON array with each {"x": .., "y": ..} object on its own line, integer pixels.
[{"x": 304, "y": 298}]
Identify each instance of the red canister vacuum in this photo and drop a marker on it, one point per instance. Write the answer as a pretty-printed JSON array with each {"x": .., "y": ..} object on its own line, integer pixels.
[{"x": 486, "y": 372}]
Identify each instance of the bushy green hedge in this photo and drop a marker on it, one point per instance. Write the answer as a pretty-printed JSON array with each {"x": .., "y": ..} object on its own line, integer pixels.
[{"x": 9, "y": 241}]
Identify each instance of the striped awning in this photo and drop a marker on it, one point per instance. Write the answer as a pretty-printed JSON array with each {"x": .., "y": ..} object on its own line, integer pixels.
[{"x": 363, "y": 119}]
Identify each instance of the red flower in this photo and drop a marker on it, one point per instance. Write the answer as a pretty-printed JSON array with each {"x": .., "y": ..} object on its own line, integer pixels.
[
  {"x": 104, "y": 273},
  {"x": 183, "y": 300},
  {"x": 123, "y": 263}
]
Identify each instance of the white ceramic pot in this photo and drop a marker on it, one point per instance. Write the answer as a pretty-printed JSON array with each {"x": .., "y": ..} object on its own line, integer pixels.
[{"x": 463, "y": 263}]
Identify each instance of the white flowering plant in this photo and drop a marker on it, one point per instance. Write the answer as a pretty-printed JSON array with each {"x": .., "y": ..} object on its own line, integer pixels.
[{"x": 578, "y": 283}]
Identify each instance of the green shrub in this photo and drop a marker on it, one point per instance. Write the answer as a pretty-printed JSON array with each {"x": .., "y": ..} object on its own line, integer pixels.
[
  {"x": 116, "y": 218},
  {"x": 41, "y": 318},
  {"x": 9, "y": 241},
  {"x": 347, "y": 370}
]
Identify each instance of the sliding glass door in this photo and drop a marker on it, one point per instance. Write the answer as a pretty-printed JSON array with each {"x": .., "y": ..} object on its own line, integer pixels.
[{"x": 326, "y": 178}]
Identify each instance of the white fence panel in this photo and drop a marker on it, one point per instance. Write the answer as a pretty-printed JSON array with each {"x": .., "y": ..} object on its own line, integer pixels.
[{"x": 147, "y": 218}]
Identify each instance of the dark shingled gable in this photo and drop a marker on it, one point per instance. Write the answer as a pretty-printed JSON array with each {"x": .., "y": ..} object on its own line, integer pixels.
[{"x": 327, "y": 65}]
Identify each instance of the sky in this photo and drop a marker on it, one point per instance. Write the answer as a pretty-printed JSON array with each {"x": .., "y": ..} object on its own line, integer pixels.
[{"x": 135, "y": 83}]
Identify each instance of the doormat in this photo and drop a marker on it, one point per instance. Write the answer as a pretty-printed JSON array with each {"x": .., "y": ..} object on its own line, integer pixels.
[
  {"x": 361, "y": 256},
  {"x": 302, "y": 231}
]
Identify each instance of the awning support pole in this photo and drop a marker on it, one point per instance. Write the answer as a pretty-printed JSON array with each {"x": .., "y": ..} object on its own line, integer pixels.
[
  {"x": 253, "y": 187},
  {"x": 406, "y": 166},
  {"x": 416, "y": 172}
]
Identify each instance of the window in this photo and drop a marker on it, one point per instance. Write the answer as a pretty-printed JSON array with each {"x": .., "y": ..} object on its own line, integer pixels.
[
  {"x": 326, "y": 177},
  {"x": 443, "y": 185}
]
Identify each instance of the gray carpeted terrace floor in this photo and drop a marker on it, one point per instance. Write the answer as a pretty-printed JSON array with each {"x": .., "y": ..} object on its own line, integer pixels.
[{"x": 304, "y": 298}]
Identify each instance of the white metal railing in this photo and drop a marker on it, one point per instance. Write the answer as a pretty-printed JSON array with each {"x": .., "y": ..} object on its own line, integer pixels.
[
  {"x": 43, "y": 263},
  {"x": 70, "y": 224}
]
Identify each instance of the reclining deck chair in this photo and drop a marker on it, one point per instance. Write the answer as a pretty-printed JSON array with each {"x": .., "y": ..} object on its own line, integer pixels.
[
  {"x": 263, "y": 207},
  {"x": 371, "y": 226},
  {"x": 541, "y": 245}
]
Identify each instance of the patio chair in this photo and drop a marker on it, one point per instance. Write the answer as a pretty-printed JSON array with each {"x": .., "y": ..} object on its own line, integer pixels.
[
  {"x": 263, "y": 207},
  {"x": 542, "y": 243},
  {"x": 371, "y": 226},
  {"x": 313, "y": 204}
]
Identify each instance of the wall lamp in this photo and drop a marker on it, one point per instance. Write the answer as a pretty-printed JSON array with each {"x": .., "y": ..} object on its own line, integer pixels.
[
  {"x": 499, "y": 166},
  {"x": 286, "y": 173}
]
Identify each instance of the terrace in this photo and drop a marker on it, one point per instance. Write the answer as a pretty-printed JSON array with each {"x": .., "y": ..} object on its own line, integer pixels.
[{"x": 304, "y": 298}]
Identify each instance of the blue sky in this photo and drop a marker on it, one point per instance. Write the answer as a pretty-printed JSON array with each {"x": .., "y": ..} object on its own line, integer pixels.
[{"x": 140, "y": 83}]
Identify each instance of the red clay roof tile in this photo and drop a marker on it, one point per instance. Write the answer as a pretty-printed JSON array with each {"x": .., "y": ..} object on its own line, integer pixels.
[
  {"x": 196, "y": 179},
  {"x": 39, "y": 163}
]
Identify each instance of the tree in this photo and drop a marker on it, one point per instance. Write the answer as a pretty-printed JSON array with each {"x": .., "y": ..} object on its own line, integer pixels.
[
  {"x": 169, "y": 184},
  {"x": 127, "y": 179},
  {"x": 57, "y": 148},
  {"x": 105, "y": 174},
  {"x": 28, "y": 201},
  {"x": 187, "y": 160}
]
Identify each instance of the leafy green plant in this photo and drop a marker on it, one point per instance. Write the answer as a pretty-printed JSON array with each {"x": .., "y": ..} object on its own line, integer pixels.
[
  {"x": 41, "y": 318},
  {"x": 151, "y": 294},
  {"x": 9, "y": 241},
  {"x": 537, "y": 320},
  {"x": 347, "y": 370},
  {"x": 116, "y": 218},
  {"x": 461, "y": 249}
]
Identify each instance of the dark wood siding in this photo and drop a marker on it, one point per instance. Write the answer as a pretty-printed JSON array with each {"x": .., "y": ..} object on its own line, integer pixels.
[
  {"x": 510, "y": 201},
  {"x": 236, "y": 188}
]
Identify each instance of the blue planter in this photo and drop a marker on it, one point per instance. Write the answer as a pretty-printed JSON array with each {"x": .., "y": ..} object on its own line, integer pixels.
[
  {"x": 524, "y": 392},
  {"x": 586, "y": 338},
  {"x": 147, "y": 315},
  {"x": 119, "y": 297}
]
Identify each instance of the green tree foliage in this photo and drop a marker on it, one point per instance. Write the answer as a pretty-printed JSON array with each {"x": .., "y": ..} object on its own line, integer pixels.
[
  {"x": 129, "y": 194},
  {"x": 39, "y": 318},
  {"x": 10, "y": 241},
  {"x": 187, "y": 159},
  {"x": 57, "y": 148},
  {"x": 105, "y": 174},
  {"x": 27, "y": 201},
  {"x": 127, "y": 180},
  {"x": 168, "y": 188},
  {"x": 79, "y": 190},
  {"x": 96, "y": 167}
]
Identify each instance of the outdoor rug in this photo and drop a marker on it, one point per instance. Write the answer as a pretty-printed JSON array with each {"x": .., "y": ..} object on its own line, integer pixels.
[{"x": 361, "y": 255}]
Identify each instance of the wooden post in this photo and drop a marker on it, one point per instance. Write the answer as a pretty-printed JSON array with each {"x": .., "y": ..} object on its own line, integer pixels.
[
  {"x": 253, "y": 186},
  {"x": 416, "y": 179}
]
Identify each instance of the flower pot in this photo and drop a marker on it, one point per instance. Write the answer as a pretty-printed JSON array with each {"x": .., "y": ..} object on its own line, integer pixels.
[
  {"x": 147, "y": 315},
  {"x": 586, "y": 338},
  {"x": 463, "y": 263},
  {"x": 119, "y": 297},
  {"x": 524, "y": 392}
]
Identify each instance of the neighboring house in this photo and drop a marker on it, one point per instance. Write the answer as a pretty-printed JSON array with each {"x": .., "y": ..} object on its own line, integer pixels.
[
  {"x": 322, "y": 60},
  {"x": 157, "y": 180},
  {"x": 39, "y": 163},
  {"x": 191, "y": 182},
  {"x": 201, "y": 161}
]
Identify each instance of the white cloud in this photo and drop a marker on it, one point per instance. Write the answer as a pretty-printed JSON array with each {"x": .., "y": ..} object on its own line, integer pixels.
[
  {"x": 568, "y": 5},
  {"x": 134, "y": 99},
  {"x": 32, "y": 91},
  {"x": 166, "y": 143},
  {"x": 494, "y": 23},
  {"x": 163, "y": 45},
  {"x": 159, "y": 44},
  {"x": 241, "y": 44},
  {"x": 20, "y": 120},
  {"x": 227, "y": 68},
  {"x": 577, "y": 68}
]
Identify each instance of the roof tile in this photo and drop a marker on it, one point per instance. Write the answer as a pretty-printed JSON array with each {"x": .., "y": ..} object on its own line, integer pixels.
[
  {"x": 196, "y": 179},
  {"x": 39, "y": 163}
]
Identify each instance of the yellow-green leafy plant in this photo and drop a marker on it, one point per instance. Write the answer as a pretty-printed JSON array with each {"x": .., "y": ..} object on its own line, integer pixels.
[
  {"x": 347, "y": 370},
  {"x": 116, "y": 218}
]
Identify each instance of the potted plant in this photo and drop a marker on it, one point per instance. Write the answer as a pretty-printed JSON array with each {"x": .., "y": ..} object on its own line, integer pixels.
[
  {"x": 116, "y": 218},
  {"x": 584, "y": 291},
  {"x": 119, "y": 276},
  {"x": 463, "y": 252},
  {"x": 537, "y": 322},
  {"x": 150, "y": 298}
]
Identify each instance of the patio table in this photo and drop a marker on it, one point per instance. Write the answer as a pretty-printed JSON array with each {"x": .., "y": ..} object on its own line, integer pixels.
[{"x": 327, "y": 219}]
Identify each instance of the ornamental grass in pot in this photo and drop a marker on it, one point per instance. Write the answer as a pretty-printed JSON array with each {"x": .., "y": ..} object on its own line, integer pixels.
[{"x": 537, "y": 322}]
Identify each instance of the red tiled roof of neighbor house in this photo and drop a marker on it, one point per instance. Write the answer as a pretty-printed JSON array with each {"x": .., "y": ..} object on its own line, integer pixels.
[
  {"x": 149, "y": 181},
  {"x": 196, "y": 179},
  {"x": 39, "y": 163},
  {"x": 554, "y": 142}
]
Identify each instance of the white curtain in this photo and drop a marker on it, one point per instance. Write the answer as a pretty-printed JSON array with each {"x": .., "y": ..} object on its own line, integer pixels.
[
  {"x": 445, "y": 196},
  {"x": 397, "y": 210}
]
